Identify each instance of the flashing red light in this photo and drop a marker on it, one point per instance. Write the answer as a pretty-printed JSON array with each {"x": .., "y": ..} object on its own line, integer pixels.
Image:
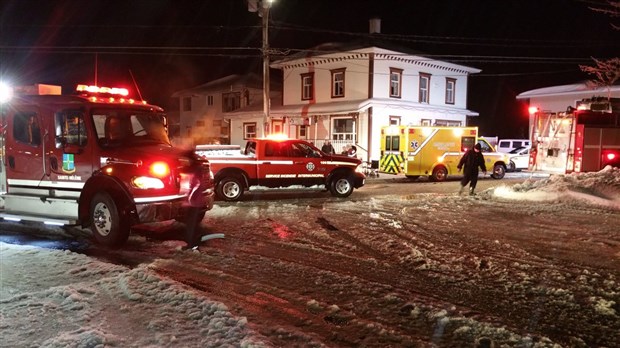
[
  {"x": 611, "y": 156},
  {"x": 532, "y": 110},
  {"x": 160, "y": 169},
  {"x": 102, "y": 90}
]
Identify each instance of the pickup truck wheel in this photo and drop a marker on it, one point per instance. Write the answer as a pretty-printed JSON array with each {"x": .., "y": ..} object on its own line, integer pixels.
[
  {"x": 341, "y": 186},
  {"x": 230, "y": 189},
  {"x": 105, "y": 221},
  {"x": 498, "y": 171},
  {"x": 439, "y": 174}
]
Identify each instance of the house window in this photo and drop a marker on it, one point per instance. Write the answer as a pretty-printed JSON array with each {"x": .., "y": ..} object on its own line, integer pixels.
[
  {"x": 343, "y": 129},
  {"x": 450, "y": 89},
  {"x": 187, "y": 103},
  {"x": 307, "y": 86},
  {"x": 426, "y": 122},
  {"x": 200, "y": 123},
  {"x": 249, "y": 130},
  {"x": 394, "y": 120},
  {"x": 302, "y": 132},
  {"x": 425, "y": 80},
  {"x": 210, "y": 100},
  {"x": 231, "y": 101},
  {"x": 396, "y": 76},
  {"x": 338, "y": 83},
  {"x": 447, "y": 123}
]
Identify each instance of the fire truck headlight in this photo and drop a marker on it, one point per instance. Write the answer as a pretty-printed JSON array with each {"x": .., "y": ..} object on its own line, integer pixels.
[
  {"x": 6, "y": 93},
  {"x": 359, "y": 169},
  {"x": 146, "y": 182}
]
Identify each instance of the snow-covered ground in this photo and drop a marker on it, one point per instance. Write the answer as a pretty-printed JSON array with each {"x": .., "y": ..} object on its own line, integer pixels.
[{"x": 533, "y": 264}]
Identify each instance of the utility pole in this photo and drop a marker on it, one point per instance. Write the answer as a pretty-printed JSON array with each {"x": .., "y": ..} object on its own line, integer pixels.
[
  {"x": 262, "y": 7},
  {"x": 266, "y": 4}
]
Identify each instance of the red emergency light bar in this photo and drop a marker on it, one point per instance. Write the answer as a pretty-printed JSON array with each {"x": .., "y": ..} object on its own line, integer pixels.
[{"x": 102, "y": 90}]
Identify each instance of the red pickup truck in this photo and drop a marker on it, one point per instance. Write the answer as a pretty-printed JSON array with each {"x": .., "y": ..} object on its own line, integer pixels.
[{"x": 274, "y": 163}]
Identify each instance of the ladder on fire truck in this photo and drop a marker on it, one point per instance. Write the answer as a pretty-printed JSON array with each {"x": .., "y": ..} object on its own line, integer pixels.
[{"x": 552, "y": 140}]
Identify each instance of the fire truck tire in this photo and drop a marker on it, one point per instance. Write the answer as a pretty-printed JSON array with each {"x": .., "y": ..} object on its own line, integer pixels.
[
  {"x": 106, "y": 224},
  {"x": 341, "y": 186},
  {"x": 230, "y": 188},
  {"x": 498, "y": 171},
  {"x": 440, "y": 173}
]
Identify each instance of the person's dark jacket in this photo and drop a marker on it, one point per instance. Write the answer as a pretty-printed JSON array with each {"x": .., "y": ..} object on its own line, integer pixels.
[
  {"x": 328, "y": 148},
  {"x": 471, "y": 161}
]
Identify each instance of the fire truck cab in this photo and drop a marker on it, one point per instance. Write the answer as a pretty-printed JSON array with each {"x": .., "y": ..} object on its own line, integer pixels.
[{"x": 96, "y": 159}]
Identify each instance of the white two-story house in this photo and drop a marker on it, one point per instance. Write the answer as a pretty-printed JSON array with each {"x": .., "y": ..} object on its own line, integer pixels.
[{"x": 346, "y": 93}]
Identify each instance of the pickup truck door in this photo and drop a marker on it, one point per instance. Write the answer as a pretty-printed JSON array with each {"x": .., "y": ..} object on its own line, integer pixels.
[{"x": 289, "y": 163}]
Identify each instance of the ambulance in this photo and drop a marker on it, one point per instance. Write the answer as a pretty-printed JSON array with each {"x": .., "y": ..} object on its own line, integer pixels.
[
  {"x": 96, "y": 158},
  {"x": 433, "y": 151}
]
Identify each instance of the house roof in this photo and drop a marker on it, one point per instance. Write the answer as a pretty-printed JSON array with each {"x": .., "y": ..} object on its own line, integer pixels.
[
  {"x": 573, "y": 89},
  {"x": 225, "y": 83},
  {"x": 366, "y": 46},
  {"x": 343, "y": 107}
]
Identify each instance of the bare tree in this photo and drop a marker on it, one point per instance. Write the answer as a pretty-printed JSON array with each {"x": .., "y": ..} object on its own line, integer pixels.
[
  {"x": 611, "y": 9},
  {"x": 606, "y": 72}
]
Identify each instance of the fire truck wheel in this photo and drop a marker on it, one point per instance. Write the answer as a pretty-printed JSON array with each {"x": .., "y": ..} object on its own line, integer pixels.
[
  {"x": 230, "y": 188},
  {"x": 106, "y": 224},
  {"x": 498, "y": 171},
  {"x": 439, "y": 174},
  {"x": 341, "y": 186}
]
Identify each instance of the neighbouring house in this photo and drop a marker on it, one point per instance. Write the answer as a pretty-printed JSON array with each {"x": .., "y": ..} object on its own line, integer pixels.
[
  {"x": 203, "y": 109},
  {"x": 344, "y": 93}
]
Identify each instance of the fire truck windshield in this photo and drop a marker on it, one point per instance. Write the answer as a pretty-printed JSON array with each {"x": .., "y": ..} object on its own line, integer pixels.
[{"x": 117, "y": 127}]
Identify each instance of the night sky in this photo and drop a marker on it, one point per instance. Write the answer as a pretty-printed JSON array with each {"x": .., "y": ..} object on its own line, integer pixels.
[{"x": 168, "y": 45}]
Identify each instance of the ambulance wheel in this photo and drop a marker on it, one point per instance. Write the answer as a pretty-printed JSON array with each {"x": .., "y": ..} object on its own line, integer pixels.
[
  {"x": 105, "y": 221},
  {"x": 498, "y": 171},
  {"x": 230, "y": 188},
  {"x": 439, "y": 174},
  {"x": 341, "y": 186}
]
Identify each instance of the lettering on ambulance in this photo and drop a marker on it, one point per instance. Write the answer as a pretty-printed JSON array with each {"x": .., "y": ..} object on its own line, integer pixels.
[{"x": 426, "y": 141}]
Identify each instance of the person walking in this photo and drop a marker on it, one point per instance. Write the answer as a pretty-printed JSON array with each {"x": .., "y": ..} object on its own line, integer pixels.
[
  {"x": 469, "y": 163},
  {"x": 328, "y": 148}
]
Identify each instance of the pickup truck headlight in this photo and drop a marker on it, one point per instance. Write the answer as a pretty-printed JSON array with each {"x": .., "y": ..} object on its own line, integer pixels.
[{"x": 147, "y": 182}]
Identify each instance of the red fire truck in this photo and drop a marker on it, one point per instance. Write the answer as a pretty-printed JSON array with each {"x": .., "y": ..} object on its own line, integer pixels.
[
  {"x": 585, "y": 138},
  {"x": 96, "y": 159}
]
